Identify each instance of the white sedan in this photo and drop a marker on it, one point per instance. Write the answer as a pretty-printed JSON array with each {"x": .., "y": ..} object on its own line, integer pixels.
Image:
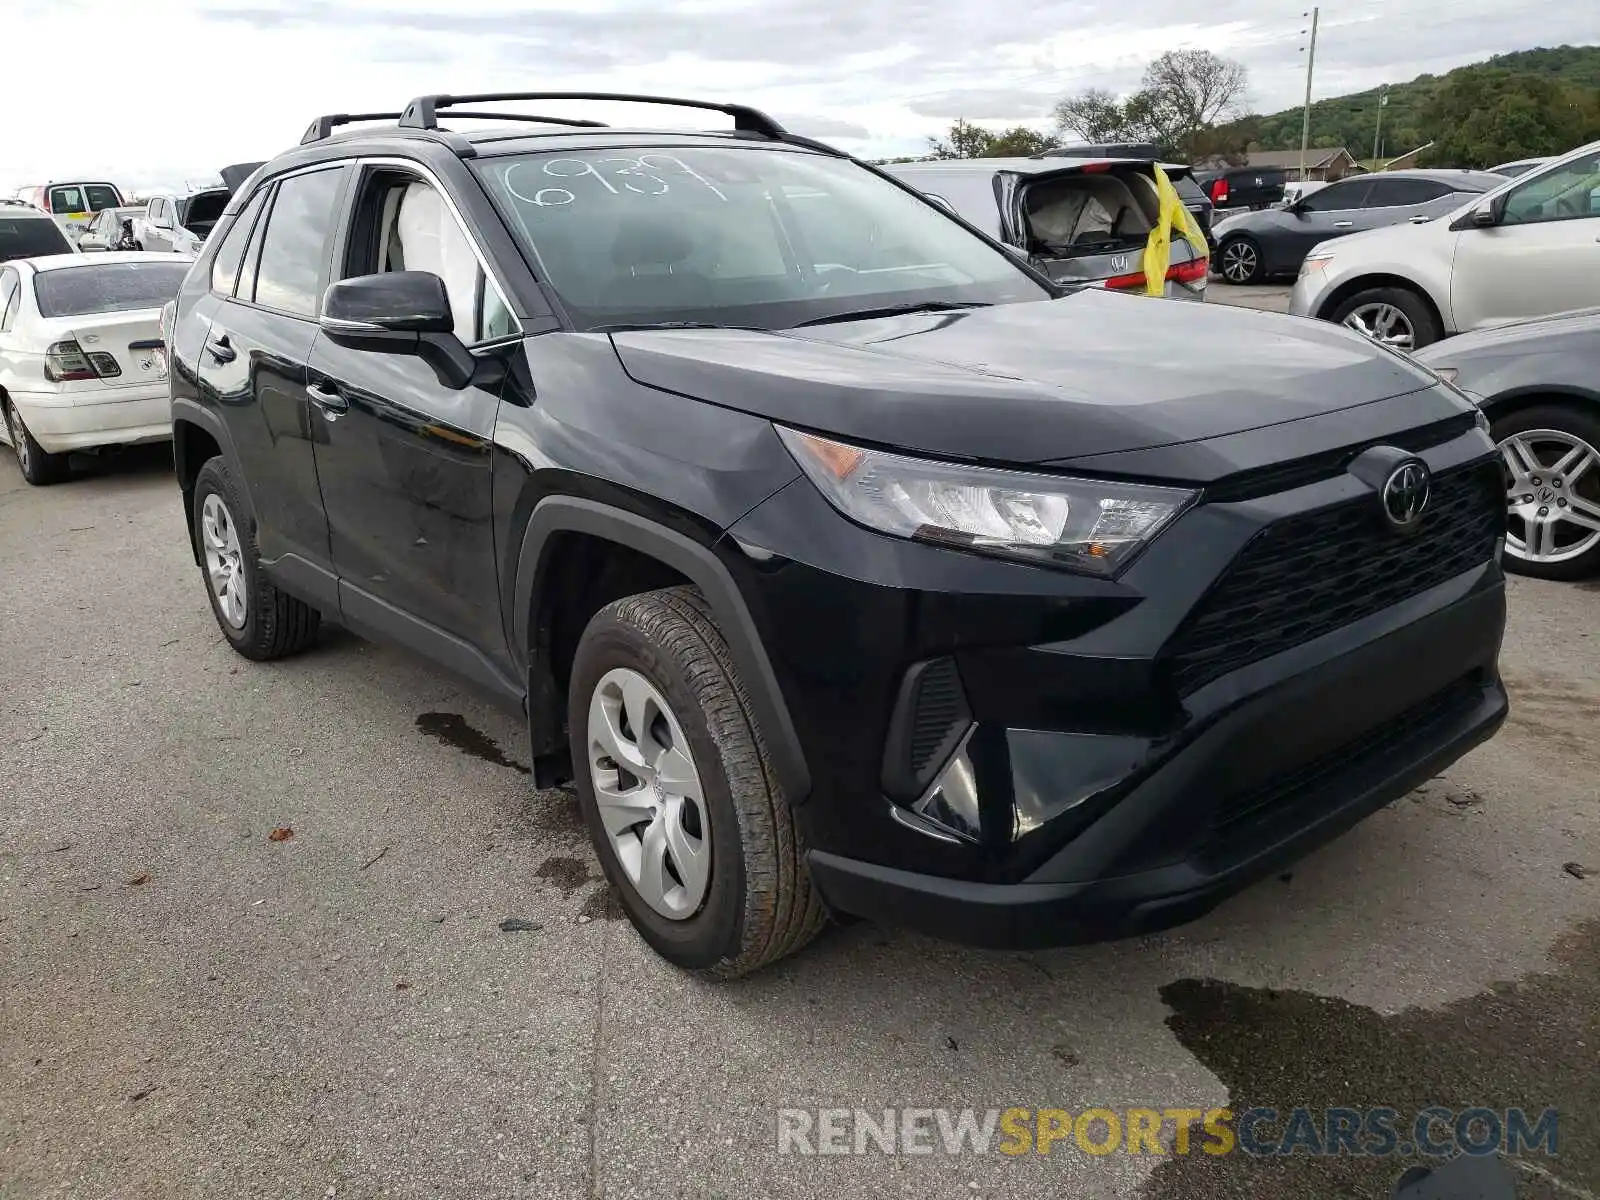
[{"x": 82, "y": 364}]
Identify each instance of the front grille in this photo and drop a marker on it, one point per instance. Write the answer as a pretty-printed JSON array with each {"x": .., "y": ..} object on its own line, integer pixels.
[
  {"x": 1237, "y": 812},
  {"x": 1309, "y": 574}
]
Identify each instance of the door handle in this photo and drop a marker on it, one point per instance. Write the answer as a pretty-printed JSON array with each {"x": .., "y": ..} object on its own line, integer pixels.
[
  {"x": 221, "y": 349},
  {"x": 1419, "y": 219},
  {"x": 1344, "y": 224},
  {"x": 332, "y": 404}
]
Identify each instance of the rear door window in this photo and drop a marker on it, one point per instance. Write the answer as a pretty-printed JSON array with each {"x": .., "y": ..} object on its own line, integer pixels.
[
  {"x": 1401, "y": 193},
  {"x": 9, "y": 293},
  {"x": 25, "y": 237},
  {"x": 101, "y": 196},
  {"x": 294, "y": 249}
]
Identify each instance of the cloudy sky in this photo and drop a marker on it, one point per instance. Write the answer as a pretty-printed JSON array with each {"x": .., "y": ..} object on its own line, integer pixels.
[{"x": 178, "y": 88}]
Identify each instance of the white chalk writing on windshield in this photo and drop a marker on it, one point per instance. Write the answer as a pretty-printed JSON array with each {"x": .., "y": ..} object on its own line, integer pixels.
[{"x": 641, "y": 176}]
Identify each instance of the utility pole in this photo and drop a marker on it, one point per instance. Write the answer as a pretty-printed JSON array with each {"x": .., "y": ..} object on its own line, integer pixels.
[
  {"x": 1305, "y": 124},
  {"x": 1377, "y": 134}
]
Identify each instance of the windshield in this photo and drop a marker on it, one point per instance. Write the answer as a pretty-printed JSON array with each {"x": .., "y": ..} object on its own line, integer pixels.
[
  {"x": 738, "y": 236},
  {"x": 24, "y": 237},
  {"x": 108, "y": 287}
]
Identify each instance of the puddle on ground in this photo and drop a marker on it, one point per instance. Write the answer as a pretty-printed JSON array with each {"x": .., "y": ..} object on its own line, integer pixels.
[
  {"x": 1533, "y": 1044},
  {"x": 453, "y": 730}
]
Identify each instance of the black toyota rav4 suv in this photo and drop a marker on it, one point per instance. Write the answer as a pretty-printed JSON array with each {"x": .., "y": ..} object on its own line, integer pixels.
[{"x": 841, "y": 561}]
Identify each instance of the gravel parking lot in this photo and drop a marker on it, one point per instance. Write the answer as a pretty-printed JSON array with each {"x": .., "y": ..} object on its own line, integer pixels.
[{"x": 189, "y": 1007}]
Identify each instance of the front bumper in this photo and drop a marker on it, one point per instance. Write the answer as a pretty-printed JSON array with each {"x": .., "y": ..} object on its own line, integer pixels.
[
  {"x": 82, "y": 419},
  {"x": 1183, "y": 840},
  {"x": 1121, "y": 782}
]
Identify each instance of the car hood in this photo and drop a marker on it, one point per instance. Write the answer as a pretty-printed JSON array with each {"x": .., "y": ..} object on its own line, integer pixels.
[
  {"x": 1514, "y": 336},
  {"x": 1091, "y": 373}
]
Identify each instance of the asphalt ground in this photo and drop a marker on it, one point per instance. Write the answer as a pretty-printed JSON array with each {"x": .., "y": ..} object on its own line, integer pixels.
[{"x": 191, "y": 1008}]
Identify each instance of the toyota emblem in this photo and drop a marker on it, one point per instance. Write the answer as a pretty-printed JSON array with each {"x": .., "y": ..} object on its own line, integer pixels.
[{"x": 1405, "y": 494}]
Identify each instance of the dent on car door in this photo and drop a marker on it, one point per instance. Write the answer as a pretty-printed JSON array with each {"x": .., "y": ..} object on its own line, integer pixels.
[
  {"x": 254, "y": 365},
  {"x": 1542, "y": 256},
  {"x": 405, "y": 461}
]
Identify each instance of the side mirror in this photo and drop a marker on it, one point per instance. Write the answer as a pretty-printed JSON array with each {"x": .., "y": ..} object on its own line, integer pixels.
[
  {"x": 1485, "y": 214},
  {"x": 399, "y": 312}
]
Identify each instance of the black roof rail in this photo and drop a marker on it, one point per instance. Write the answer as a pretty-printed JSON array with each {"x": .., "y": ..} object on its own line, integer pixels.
[
  {"x": 531, "y": 118},
  {"x": 322, "y": 127},
  {"x": 423, "y": 112}
]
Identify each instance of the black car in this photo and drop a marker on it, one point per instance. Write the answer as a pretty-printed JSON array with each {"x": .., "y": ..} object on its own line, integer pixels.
[
  {"x": 842, "y": 561},
  {"x": 1252, "y": 247}
]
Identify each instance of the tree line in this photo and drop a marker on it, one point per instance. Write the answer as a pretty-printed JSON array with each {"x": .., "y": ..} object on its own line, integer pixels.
[{"x": 1193, "y": 104}]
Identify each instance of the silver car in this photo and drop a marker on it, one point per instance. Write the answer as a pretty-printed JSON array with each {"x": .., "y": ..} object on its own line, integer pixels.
[
  {"x": 1077, "y": 220},
  {"x": 1538, "y": 382},
  {"x": 1529, "y": 248}
]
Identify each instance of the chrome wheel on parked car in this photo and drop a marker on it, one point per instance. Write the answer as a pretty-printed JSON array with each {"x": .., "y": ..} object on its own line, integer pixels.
[
  {"x": 1549, "y": 476},
  {"x": 1384, "y": 323},
  {"x": 1240, "y": 261},
  {"x": 19, "y": 439},
  {"x": 224, "y": 560},
  {"x": 649, "y": 794}
]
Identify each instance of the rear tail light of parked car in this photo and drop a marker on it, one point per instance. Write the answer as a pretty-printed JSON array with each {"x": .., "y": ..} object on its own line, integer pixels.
[
  {"x": 1219, "y": 191},
  {"x": 1196, "y": 270},
  {"x": 65, "y": 362}
]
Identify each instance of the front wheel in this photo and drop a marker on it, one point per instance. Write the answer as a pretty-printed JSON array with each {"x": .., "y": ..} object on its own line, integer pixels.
[
  {"x": 1551, "y": 459},
  {"x": 1393, "y": 316},
  {"x": 691, "y": 827}
]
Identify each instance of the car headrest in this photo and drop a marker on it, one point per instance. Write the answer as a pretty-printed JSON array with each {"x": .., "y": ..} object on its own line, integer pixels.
[{"x": 649, "y": 241}]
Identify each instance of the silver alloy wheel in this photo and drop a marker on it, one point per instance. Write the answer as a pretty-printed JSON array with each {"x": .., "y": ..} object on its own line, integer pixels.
[
  {"x": 19, "y": 439},
  {"x": 648, "y": 793},
  {"x": 219, "y": 539},
  {"x": 1383, "y": 323},
  {"x": 1239, "y": 262},
  {"x": 1549, "y": 522}
]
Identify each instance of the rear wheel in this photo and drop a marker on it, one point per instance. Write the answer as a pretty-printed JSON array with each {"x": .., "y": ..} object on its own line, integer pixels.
[
  {"x": 1396, "y": 317},
  {"x": 259, "y": 621},
  {"x": 689, "y": 822},
  {"x": 1240, "y": 260},
  {"x": 1551, "y": 458},
  {"x": 39, "y": 467}
]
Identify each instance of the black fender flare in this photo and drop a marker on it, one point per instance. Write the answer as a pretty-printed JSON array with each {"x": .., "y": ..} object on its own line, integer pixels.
[
  {"x": 198, "y": 415},
  {"x": 696, "y": 562}
]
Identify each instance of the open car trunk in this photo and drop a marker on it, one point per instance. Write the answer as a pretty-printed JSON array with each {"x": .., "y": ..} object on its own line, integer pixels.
[
  {"x": 1089, "y": 223},
  {"x": 200, "y": 212}
]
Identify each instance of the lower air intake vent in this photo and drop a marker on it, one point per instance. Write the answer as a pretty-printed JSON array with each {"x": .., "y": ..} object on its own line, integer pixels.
[{"x": 930, "y": 718}]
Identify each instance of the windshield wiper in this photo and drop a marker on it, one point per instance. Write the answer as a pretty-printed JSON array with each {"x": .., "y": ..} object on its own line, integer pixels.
[{"x": 894, "y": 310}]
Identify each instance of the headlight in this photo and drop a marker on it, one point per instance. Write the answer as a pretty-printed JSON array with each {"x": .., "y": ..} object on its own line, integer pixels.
[
  {"x": 1087, "y": 524},
  {"x": 1315, "y": 262}
]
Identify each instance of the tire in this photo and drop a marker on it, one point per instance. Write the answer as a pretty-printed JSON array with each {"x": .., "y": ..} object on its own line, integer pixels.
[
  {"x": 1242, "y": 256},
  {"x": 1410, "y": 309},
  {"x": 755, "y": 902},
  {"x": 39, "y": 467},
  {"x": 1550, "y": 432},
  {"x": 273, "y": 624}
]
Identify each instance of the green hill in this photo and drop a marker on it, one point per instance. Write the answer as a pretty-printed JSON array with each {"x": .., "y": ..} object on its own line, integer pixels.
[{"x": 1531, "y": 102}]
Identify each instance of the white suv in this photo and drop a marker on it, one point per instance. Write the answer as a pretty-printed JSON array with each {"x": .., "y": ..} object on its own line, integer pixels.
[{"x": 1530, "y": 248}]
